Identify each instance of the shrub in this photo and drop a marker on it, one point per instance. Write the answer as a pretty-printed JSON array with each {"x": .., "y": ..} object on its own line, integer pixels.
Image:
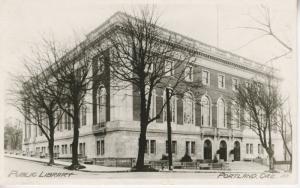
[
  {"x": 186, "y": 158},
  {"x": 164, "y": 157}
]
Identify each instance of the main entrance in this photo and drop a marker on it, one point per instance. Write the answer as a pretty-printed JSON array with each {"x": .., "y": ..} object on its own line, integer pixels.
[
  {"x": 237, "y": 151},
  {"x": 223, "y": 150},
  {"x": 207, "y": 149}
]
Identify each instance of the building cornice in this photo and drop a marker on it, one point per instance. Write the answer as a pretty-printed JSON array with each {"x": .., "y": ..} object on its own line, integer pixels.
[{"x": 203, "y": 50}]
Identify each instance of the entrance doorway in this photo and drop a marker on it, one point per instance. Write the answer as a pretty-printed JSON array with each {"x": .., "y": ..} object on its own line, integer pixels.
[
  {"x": 223, "y": 150},
  {"x": 237, "y": 151},
  {"x": 207, "y": 149}
]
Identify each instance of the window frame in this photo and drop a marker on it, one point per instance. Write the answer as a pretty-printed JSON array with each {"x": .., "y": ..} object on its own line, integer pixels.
[
  {"x": 170, "y": 72},
  {"x": 189, "y": 73},
  {"x": 224, "y": 81},
  {"x": 208, "y": 77},
  {"x": 237, "y": 83}
]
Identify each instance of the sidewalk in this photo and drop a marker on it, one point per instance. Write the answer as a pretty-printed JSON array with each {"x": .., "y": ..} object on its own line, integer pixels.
[
  {"x": 89, "y": 168},
  {"x": 234, "y": 167}
]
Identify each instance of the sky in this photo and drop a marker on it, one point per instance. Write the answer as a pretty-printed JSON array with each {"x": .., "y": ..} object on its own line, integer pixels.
[{"x": 24, "y": 22}]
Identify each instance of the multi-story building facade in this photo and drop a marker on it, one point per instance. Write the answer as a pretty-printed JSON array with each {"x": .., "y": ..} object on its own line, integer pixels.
[{"x": 202, "y": 129}]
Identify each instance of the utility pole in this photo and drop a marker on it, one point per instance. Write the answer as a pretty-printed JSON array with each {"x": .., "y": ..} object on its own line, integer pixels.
[{"x": 169, "y": 129}]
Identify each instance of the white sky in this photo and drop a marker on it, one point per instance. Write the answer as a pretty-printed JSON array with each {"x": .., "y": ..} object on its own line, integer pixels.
[{"x": 22, "y": 22}]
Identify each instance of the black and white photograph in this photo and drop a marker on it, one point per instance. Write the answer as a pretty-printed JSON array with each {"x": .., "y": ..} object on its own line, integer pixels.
[{"x": 127, "y": 92}]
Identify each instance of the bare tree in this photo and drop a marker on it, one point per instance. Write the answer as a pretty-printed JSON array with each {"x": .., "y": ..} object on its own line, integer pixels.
[
  {"x": 261, "y": 101},
  {"x": 72, "y": 74},
  {"x": 32, "y": 99},
  {"x": 12, "y": 137},
  {"x": 265, "y": 27},
  {"x": 148, "y": 57},
  {"x": 285, "y": 127}
]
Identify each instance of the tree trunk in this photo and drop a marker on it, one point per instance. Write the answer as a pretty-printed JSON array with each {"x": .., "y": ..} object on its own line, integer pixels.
[
  {"x": 76, "y": 122},
  {"x": 141, "y": 152},
  {"x": 271, "y": 152},
  {"x": 51, "y": 139},
  {"x": 143, "y": 128},
  {"x": 291, "y": 163},
  {"x": 51, "y": 152}
]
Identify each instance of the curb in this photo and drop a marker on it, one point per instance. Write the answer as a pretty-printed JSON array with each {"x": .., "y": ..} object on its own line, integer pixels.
[{"x": 57, "y": 164}]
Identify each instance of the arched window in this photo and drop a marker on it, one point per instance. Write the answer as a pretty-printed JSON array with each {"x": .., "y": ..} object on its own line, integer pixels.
[
  {"x": 235, "y": 115},
  {"x": 188, "y": 109},
  {"x": 221, "y": 113},
  {"x": 101, "y": 105},
  {"x": 205, "y": 111},
  {"x": 172, "y": 107}
]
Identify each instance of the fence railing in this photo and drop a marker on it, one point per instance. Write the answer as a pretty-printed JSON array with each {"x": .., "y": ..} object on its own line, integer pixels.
[{"x": 115, "y": 162}]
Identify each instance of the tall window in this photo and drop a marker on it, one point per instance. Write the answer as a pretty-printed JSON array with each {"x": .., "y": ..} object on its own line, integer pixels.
[
  {"x": 247, "y": 118},
  {"x": 98, "y": 147},
  {"x": 100, "y": 62},
  {"x": 193, "y": 147},
  {"x": 173, "y": 148},
  {"x": 152, "y": 146},
  {"x": 221, "y": 81},
  {"x": 235, "y": 115},
  {"x": 235, "y": 84},
  {"x": 188, "y": 109},
  {"x": 221, "y": 113},
  {"x": 101, "y": 102},
  {"x": 169, "y": 68},
  {"x": 152, "y": 110},
  {"x": 205, "y": 77},
  {"x": 173, "y": 105},
  {"x": 83, "y": 114},
  {"x": 205, "y": 111},
  {"x": 189, "y": 73},
  {"x": 102, "y": 147}
]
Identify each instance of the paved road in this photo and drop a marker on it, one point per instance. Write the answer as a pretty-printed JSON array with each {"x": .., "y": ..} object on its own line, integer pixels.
[{"x": 14, "y": 168}]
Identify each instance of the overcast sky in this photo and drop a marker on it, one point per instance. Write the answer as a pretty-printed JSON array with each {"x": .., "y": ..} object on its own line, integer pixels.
[{"x": 22, "y": 22}]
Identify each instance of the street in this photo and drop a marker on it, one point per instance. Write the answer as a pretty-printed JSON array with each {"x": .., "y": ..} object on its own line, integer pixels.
[
  {"x": 30, "y": 172},
  {"x": 23, "y": 166}
]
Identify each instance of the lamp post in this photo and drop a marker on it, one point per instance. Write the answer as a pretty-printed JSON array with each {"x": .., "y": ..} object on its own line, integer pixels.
[{"x": 169, "y": 129}]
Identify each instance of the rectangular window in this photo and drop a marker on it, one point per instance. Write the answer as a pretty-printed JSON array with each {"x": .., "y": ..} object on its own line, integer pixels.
[
  {"x": 247, "y": 148},
  {"x": 147, "y": 147},
  {"x": 80, "y": 148},
  {"x": 247, "y": 84},
  {"x": 258, "y": 149},
  {"x": 251, "y": 148},
  {"x": 66, "y": 121},
  {"x": 235, "y": 84},
  {"x": 62, "y": 149},
  {"x": 84, "y": 112},
  {"x": 169, "y": 68},
  {"x": 189, "y": 73},
  {"x": 205, "y": 77},
  {"x": 187, "y": 147},
  {"x": 221, "y": 81},
  {"x": 98, "y": 147},
  {"x": 193, "y": 147},
  {"x": 71, "y": 148},
  {"x": 153, "y": 146},
  {"x": 102, "y": 147},
  {"x": 174, "y": 146}
]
